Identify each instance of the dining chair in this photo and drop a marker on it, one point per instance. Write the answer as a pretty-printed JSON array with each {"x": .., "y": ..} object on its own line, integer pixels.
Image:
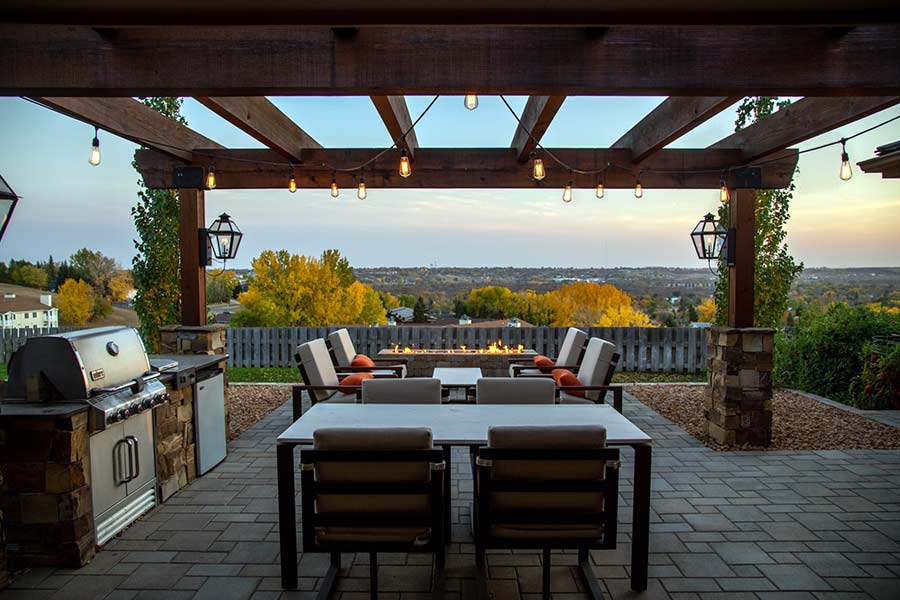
[
  {"x": 569, "y": 356},
  {"x": 546, "y": 488},
  {"x": 345, "y": 357},
  {"x": 413, "y": 390},
  {"x": 520, "y": 390},
  {"x": 372, "y": 490}
]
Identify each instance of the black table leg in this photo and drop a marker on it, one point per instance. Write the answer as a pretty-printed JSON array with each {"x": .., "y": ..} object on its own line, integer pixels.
[
  {"x": 287, "y": 516},
  {"x": 640, "y": 526},
  {"x": 448, "y": 477}
]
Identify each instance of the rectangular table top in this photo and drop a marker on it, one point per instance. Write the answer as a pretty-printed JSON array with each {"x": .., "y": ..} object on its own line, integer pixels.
[
  {"x": 457, "y": 375},
  {"x": 462, "y": 424}
]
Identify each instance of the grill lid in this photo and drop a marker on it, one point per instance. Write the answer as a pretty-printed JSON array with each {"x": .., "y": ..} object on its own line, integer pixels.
[{"x": 77, "y": 364}]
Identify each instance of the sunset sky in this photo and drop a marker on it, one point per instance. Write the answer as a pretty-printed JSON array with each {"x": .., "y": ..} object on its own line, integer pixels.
[{"x": 67, "y": 204}]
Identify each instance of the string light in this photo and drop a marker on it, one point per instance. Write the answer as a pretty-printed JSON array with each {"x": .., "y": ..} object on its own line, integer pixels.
[
  {"x": 211, "y": 178},
  {"x": 335, "y": 192},
  {"x": 600, "y": 190},
  {"x": 405, "y": 169},
  {"x": 723, "y": 191},
  {"x": 94, "y": 158},
  {"x": 361, "y": 192},
  {"x": 292, "y": 185},
  {"x": 846, "y": 169},
  {"x": 567, "y": 193},
  {"x": 471, "y": 101},
  {"x": 638, "y": 188},
  {"x": 537, "y": 169}
]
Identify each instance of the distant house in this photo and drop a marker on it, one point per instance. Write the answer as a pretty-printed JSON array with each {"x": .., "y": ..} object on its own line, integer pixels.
[
  {"x": 465, "y": 320},
  {"x": 18, "y": 312},
  {"x": 401, "y": 315}
]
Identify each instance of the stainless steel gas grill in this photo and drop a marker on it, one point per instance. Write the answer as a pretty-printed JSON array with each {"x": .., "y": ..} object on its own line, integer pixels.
[{"x": 108, "y": 369}]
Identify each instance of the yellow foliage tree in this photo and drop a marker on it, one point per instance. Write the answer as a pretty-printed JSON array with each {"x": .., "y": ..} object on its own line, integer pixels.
[
  {"x": 119, "y": 286},
  {"x": 291, "y": 290},
  {"x": 590, "y": 304},
  {"x": 75, "y": 300},
  {"x": 706, "y": 311}
]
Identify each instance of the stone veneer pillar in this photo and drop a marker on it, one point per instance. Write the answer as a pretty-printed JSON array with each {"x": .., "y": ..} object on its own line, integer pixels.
[
  {"x": 186, "y": 339},
  {"x": 739, "y": 386}
]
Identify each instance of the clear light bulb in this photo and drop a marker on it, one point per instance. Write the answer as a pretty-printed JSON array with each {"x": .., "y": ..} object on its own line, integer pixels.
[
  {"x": 94, "y": 158},
  {"x": 846, "y": 169},
  {"x": 335, "y": 192},
  {"x": 600, "y": 190},
  {"x": 405, "y": 169},
  {"x": 567, "y": 193},
  {"x": 361, "y": 192},
  {"x": 471, "y": 101},
  {"x": 638, "y": 189},
  {"x": 723, "y": 193},
  {"x": 538, "y": 169},
  {"x": 211, "y": 178},
  {"x": 292, "y": 185}
]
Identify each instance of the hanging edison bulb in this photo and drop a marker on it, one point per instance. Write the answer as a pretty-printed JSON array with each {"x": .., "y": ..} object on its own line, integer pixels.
[
  {"x": 846, "y": 169},
  {"x": 567, "y": 193},
  {"x": 335, "y": 192},
  {"x": 361, "y": 192},
  {"x": 600, "y": 190},
  {"x": 638, "y": 188},
  {"x": 405, "y": 169},
  {"x": 292, "y": 185},
  {"x": 211, "y": 178},
  {"x": 537, "y": 170},
  {"x": 723, "y": 192},
  {"x": 94, "y": 157},
  {"x": 471, "y": 101}
]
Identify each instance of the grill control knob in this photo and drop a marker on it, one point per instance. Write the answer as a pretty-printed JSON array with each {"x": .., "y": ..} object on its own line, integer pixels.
[
  {"x": 121, "y": 414},
  {"x": 113, "y": 417},
  {"x": 146, "y": 403}
]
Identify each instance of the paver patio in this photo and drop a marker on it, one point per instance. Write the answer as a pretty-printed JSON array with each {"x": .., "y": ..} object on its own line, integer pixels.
[{"x": 748, "y": 525}]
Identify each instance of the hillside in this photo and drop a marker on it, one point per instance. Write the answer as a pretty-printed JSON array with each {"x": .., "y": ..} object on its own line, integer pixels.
[{"x": 119, "y": 316}]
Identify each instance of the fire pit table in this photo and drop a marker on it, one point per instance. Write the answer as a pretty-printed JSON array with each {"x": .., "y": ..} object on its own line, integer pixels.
[{"x": 493, "y": 360}]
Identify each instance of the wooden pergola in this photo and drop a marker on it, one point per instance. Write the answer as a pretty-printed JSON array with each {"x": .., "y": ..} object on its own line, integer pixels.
[{"x": 843, "y": 58}]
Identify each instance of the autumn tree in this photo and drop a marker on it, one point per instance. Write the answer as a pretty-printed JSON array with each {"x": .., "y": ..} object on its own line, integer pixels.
[
  {"x": 290, "y": 290},
  {"x": 220, "y": 286},
  {"x": 94, "y": 268},
  {"x": 494, "y": 302},
  {"x": 774, "y": 268},
  {"x": 590, "y": 304},
  {"x": 706, "y": 311},
  {"x": 75, "y": 300},
  {"x": 30, "y": 276},
  {"x": 120, "y": 285}
]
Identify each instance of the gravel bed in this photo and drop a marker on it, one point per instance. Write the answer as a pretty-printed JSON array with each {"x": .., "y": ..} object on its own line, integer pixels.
[
  {"x": 247, "y": 404},
  {"x": 798, "y": 422}
]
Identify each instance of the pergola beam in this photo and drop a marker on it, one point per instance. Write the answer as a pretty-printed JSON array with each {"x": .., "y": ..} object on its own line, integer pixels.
[
  {"x": 395, "y": 115},
  {"x": 673, "y": 118},
  {"x": 47, "y": 60},
  {"x": 259, "y": 118},
  {"x": 463, "y": 168},
  {"x": 134, "y": 121},
  {"x": 799, "y": 121},
  {"x": 536, "y": 117}
]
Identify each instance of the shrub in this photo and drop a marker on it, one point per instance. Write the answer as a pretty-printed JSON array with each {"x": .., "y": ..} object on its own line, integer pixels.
[
  {"x": 824, "y": 355},
  {"x": 878, "y": 386}
]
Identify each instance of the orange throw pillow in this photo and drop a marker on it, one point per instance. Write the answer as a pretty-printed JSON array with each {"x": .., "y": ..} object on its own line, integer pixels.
[
  {"x": 542, "y": 361},
  {"x": 565, "y": 378},
  {"x": 355, "y": 381},
  {"x": 361, "y": 360}
]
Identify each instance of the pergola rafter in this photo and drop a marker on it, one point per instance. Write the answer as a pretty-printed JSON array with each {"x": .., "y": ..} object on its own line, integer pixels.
[
  {"x": 395, "y": 115},
  {"x": 259, "y": 118},
  {"x": 536, "y": 117}
]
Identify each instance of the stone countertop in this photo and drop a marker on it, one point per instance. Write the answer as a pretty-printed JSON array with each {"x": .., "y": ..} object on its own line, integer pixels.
[
  {"x": 185, "y": 373},
  {"x": 42, "y": 409}
]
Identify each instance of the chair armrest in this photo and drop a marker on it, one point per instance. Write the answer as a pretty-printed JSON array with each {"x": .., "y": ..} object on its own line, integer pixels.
[
  {"x": 393, "y": 361},
  {"x": 518, "y": 359},
  {"x": 617, "y": 391},
  {"x": 535, "y": 375}
]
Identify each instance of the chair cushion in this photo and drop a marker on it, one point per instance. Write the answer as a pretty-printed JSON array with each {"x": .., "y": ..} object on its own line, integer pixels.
[
  {"x": 513, "y": 373},
  {"x": 530, "y": 531},
  {"x": 353, "y": 381},
  {"x": 342, "y": 346},
  {"x": 569, "y": 398},
  {"x": 565, "y": 378},
  {"x": 518, "y": 390},
  {"x": 570, "y": 350},
  {"x": 341, "y": 398},
  {"x": 542, "y": 361},
  {"x": 314, "y": 358},
  {"x": 415, "y": 390},
  {"x": 361, "y": 360},
  {"x": 416, "y": 536},
  {"x": 595, "y": 365}
]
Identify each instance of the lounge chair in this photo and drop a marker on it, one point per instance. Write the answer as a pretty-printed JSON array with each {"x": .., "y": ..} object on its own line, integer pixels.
[
  {"x": 320, "y": 379},
  {"x": 520, "y": 390},
  {"x": 594, "y": 376},
  {"x": 372, "y": 490},
  {"x": 569, "y": 356},
  {"x": 546, "y": 488},
  {"x": 343, "y": 353}
]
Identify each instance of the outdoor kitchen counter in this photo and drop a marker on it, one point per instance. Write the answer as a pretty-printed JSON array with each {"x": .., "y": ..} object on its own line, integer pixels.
[
  {"x": 185, "y": 373},
  {"x": 41, "y": 409}
]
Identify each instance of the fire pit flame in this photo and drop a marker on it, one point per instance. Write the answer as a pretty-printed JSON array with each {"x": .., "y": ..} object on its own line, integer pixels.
[{"x": 497, "y": 347}]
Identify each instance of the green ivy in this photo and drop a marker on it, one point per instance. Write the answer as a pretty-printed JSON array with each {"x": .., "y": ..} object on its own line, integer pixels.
[
  {"x": 775, "y": 269},
  {"x": 156, "y": 266}
]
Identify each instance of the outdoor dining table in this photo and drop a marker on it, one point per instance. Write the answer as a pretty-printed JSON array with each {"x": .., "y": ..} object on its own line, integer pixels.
[{"x": 463, "y": 425}]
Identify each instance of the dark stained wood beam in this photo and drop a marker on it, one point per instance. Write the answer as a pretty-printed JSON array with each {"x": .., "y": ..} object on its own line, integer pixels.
[
  {"x": 133, "y": 121},
  {"x": 304, "y": 60},
  {"x": 673, "y": 118},
  {"x": 741, "y": 277},
  {"x": 536, "y": 117},
  {"x": 888, "y": 165},
  {"x": 395, "y": 115},
  {"x": 260, "y": 119},
  {"x": 191, "y": 218},
  {"x": 347, "y": 13},
  {"x": 468, "y": 168},
  {"x": 799, "y": 121}
]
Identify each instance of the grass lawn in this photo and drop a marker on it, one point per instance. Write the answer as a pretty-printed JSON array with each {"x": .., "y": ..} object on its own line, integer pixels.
[{"x": 280, "y": 375}]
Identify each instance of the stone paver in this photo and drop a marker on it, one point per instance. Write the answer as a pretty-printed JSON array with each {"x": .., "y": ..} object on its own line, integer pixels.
[{"x": 725, "y": 526}]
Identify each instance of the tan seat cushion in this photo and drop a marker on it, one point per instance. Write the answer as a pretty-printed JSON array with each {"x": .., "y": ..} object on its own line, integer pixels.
[
  {"x": 514, "y": 390},
  {"x": 342, "y": 346},
  {"x": 402, "y": 535},
  {"x": 567, "y": 398},
  {"x": 547, "y": 531},
  {"x": 317, "y": 364},
  {"x": 414, "y": 390}
]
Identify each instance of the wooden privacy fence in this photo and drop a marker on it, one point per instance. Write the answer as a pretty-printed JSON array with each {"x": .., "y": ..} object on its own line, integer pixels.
[
  {"x": 680, "y": 349},
  {"x": 13, "y": 339}
]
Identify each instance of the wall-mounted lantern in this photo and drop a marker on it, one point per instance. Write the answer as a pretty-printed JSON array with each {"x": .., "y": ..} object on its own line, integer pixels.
[
  {"x": 711, "y": 240},
  {"x": 8, "y": 201},
  {"x": 223, "y": 238}
]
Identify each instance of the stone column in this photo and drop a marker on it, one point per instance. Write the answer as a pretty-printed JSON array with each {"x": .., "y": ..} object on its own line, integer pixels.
[
  {"x": 739, "y": 386},
  {"x": 188, "y": 339}
]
